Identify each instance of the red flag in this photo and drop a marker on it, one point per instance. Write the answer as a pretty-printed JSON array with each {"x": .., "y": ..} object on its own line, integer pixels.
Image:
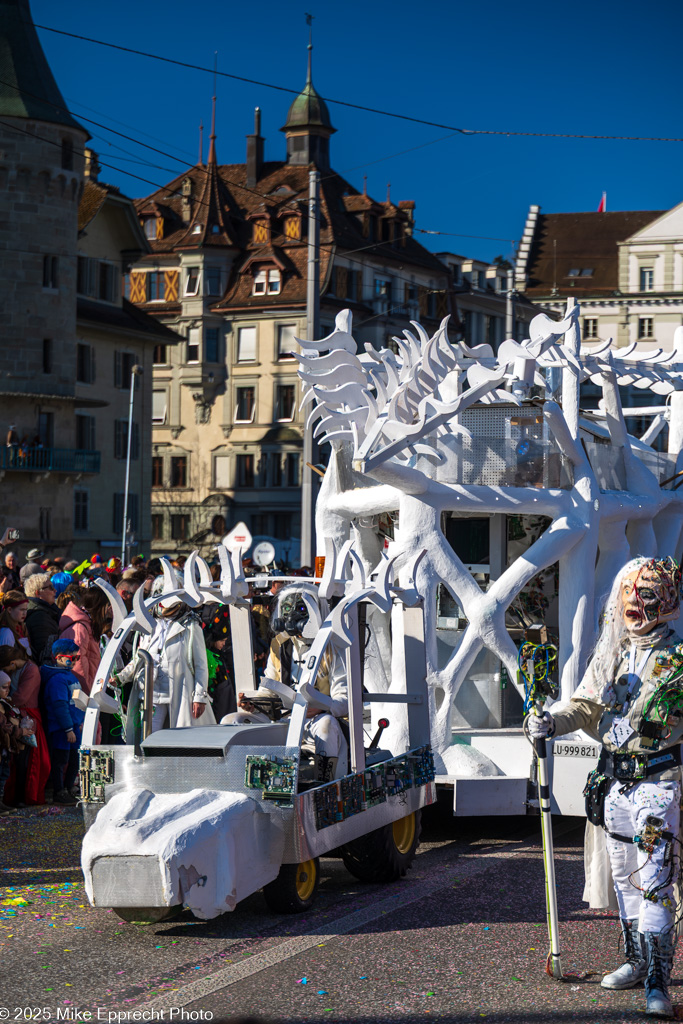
[{"x": 602, "y": 208}]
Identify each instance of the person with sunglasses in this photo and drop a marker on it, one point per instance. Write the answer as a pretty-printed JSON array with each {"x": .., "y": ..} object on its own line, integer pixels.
[{"x": 42, "y": 614}]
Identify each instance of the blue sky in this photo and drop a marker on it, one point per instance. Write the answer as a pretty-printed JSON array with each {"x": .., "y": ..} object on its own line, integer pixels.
[{"x": 589, "y": 68}]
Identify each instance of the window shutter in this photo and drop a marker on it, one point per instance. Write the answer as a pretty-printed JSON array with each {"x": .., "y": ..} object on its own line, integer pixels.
[
  {"x": 160, "y": 227},
  {"x": 92, "y": 364},
  {"x": 423, "y": 298},
  {"x": 342, "y": 282},
  {"x": 135, "y": 444},
  {"x": 171, "y": 282},
  {"x": 441, "y": 304},
  {"x": 406, "y": 293},
  {"x": 118, "y": 370},
  {"x": 138, "y": 287}
]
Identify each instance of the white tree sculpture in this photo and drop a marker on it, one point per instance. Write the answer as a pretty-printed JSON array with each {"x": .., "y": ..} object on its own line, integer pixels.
[{"x": 395, "y": 421}]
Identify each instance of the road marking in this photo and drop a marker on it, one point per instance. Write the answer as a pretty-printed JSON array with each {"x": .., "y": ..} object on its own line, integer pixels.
[{"x": 462, "y": 867}]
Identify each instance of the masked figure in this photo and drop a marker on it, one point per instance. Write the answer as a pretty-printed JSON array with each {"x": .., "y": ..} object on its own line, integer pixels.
[
  {"x": 296, "y": 620},
  {"x": 631, "y": 700}
]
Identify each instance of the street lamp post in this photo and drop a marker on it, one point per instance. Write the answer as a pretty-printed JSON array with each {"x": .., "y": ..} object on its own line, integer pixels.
[
  {"x": 136, "y": 371},
  {"x": 312, "y": 333}
]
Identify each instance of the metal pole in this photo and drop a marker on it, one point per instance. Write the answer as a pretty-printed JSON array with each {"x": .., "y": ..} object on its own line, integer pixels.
[
  {"x": 312, "y": 334},
  {"x": 510, "y": 305},
  {"x": 553, "y": 963},
  {"x": 135, "y": 372}
]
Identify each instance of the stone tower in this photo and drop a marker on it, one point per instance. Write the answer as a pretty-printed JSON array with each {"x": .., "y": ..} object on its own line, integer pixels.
[{"x": 41, "y": 178}]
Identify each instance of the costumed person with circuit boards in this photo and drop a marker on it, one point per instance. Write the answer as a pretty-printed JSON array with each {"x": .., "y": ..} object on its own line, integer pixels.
[
  {"x": 631, "y": 700},
  {"x": 297, "y": 617}
]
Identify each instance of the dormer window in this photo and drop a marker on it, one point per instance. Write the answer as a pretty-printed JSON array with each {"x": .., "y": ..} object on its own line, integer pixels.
[
  {"x": 150, "y": 226},
  {"x": 197, "y": 229},
  {"x": 267, "y": 282}
]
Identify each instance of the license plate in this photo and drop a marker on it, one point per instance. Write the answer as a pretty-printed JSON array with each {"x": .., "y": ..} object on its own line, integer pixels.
[{"x": 565, "y": 749}]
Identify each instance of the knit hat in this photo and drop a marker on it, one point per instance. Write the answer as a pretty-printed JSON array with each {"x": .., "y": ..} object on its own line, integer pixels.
[
  {"x": 64, "y": 646},
  {"x": 30, "y": 569},
  {"x": 60, "y": 581}
]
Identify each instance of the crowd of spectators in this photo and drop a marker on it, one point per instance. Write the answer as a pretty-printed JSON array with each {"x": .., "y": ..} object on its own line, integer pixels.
[{"x": 55, "y": 623}]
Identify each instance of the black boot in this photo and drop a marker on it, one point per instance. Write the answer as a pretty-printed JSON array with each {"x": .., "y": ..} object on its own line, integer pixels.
[{"x": 660, "y": 954}]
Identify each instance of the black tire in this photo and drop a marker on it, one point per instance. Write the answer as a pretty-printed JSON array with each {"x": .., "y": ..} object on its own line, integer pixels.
[
  {"x": 147, "y": 915},
  {"x": 385, "y": 854},
  {"x": 295, "y": 888}
]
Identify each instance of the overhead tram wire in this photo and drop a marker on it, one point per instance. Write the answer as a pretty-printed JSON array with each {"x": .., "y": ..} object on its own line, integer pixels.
[
  {"x": 235, "y": 184},
  {"x": 359, "y": 106}
]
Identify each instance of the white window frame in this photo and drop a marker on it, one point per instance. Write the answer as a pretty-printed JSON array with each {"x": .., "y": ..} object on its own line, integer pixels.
[
  {"x": 644, "y": 333},
  {"x": 159, "y": 420},
  {"x": 285, "y": 419},
  {"x": 188, "y": 277},
  {"x": 589, "y": 332},
  {"x": 260, "y": 284},
  {"x": 244, "y": 387},
  {"x": 281, "y": 335},
  {"x": 241, "y": 332},
  {"x": 646, "y": 284},
  {"x": 194, "y": 340}
]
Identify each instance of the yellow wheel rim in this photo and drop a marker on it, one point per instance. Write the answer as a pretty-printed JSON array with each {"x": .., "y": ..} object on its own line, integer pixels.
[
  {"x": 404, "y": 833},
  {"x": 305, "y": 879}
]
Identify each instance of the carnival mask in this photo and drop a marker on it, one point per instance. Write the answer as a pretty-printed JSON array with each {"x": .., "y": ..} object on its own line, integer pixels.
[{"x": 651, "y": 595}]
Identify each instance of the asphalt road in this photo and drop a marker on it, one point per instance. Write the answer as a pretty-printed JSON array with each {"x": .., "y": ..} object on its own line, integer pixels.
[{"x": 461, "y": 938}]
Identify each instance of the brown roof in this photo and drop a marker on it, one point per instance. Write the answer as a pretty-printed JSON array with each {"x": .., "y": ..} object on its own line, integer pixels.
[
  {"x": 281, "y": 187},
  {"x": 565, "y": 242},
  {"x": 126, "y": 317},
  {"x": 92, "y": 199}
]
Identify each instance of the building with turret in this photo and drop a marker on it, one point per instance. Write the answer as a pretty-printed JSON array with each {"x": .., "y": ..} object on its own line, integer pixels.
[
  {"x": 228, "y": 272},
  {"x": 64, "y": 242}
]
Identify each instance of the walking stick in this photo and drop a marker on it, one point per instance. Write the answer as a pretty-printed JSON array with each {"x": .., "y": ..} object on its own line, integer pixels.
[{"x": 537, "y": 661}]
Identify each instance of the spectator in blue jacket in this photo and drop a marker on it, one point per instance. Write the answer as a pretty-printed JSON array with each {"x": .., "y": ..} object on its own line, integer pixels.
[{"x": 64, "y": 720}]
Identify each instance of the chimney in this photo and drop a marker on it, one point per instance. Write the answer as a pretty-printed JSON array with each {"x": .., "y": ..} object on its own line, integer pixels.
[
  {"x": 408, "y": 208},
  {"x": 254, "y": 151},
  {"x": 92, "y": 166}
]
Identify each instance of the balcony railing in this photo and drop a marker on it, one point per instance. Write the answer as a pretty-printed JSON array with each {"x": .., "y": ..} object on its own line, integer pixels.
[{"x": 48, "y": 460}]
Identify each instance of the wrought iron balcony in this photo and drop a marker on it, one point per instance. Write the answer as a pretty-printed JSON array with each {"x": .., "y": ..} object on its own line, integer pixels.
[{"x": 24, "y": 459}]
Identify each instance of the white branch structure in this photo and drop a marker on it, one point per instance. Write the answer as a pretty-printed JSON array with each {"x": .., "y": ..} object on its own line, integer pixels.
[{"x": 408, "y": 434}]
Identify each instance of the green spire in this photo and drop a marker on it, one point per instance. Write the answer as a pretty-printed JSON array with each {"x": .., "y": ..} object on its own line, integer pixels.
[
  {"x": 308, "y": 109},
  {"x": 27, "y": 86}
]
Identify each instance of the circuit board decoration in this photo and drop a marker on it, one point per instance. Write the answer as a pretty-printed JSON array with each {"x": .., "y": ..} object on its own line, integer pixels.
[
  {"x": 355, "y": 793},
  {"x": 274, "y": 776},
  {"x": 96, "y": 769}
]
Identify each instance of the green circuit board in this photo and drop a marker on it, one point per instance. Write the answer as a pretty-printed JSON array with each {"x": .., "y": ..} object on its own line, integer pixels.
[
  {"x": 274, "y": 776},
  {"x": 96, "y": 769}
]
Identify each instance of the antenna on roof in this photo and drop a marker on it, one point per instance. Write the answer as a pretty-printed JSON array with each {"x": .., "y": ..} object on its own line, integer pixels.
[
  {"x": 309, "y": 22},
  {"x": 212, "y": 145},
  {"x": 365, "y": 185}
]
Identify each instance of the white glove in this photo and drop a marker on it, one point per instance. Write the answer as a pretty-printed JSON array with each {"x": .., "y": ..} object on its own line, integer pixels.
[{"x": 540, "y": 727}]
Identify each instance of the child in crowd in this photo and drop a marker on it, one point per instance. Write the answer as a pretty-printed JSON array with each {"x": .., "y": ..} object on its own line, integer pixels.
[
  {"x": 11, "y": 738},
  {"x": 64, "y": 720},
  {"x": 31, "y": 766}
]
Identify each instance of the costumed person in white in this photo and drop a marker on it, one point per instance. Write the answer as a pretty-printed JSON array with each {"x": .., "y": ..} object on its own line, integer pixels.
[
  {"x": 296, "y": 620},
  {"x": 181, "y": 674},
  {"x": 631, "y": 700}
]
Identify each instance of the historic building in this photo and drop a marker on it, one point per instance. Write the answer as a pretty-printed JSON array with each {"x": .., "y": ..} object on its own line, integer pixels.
[
  {"x": 58, "y": 410},
  {"x": 228, "y": 273},
  {"x": 113, "y": 336},
  {"x": 625, "y": 268},
  {"x": 481, "y": 291}
]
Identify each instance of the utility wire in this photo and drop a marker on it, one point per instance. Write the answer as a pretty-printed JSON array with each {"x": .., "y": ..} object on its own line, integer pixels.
[{"x": 358, "y": 106}]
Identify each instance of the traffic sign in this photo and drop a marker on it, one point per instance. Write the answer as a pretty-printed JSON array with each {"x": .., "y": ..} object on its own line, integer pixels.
[
  {"x": 264, "y": 553},
  {"x": 239, "y": 538}
]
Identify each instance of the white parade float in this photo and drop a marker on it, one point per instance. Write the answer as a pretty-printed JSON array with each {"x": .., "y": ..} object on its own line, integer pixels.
[{"x": 484, "y": 489}]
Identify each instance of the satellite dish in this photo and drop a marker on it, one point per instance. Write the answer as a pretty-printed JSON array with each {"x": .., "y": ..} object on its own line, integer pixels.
[
  {"x": 264, "y": 553},
  {"x": 239, "y": 538}
]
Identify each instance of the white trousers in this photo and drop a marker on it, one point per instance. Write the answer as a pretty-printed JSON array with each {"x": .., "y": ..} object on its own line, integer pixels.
[
  {"x": 625, "y": 813},
  {"x": 324, "y": 736},
  {"x": 160, "y": 717}
]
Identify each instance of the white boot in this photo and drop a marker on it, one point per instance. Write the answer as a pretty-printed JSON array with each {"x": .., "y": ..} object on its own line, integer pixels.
[{"x": 634, "y": 970}]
